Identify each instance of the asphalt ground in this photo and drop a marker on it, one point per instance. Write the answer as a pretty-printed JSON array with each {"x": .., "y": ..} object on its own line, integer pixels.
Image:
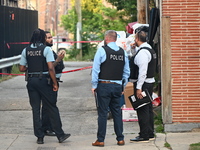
[{"x": 79, "y": 117}]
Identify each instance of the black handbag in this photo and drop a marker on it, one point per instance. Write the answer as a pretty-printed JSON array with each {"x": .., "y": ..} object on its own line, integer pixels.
[{"x": 140, "y": 102}]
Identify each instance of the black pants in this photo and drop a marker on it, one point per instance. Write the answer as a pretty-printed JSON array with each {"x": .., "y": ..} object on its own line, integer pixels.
[
  {"x": 39, "y": 90},
  {"x": 46, "y": 124},
  {"x": 145, "y": 114}
]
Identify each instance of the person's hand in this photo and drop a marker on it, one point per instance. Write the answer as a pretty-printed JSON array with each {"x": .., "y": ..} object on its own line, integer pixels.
[
  {"x": 55, "y": 87},
  {"x": 93, "y": 90},
  {"x": 139, "y": 93},
  {"x": 61, "y": 55},
  {"x": 133, "y": 45}
]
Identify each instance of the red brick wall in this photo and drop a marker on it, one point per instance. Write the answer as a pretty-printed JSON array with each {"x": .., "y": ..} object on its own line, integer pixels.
[
  {"x": 41, "y": 14},
  {"x": 185, "y": 54},
  {"x": 47, "y": 14}
]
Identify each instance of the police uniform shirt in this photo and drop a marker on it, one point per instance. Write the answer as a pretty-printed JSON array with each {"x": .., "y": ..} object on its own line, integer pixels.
[
  {"x": 58, "y": 75},
  {"x": 47, "y": 53},
  {"x": 141, "y": 60},
  {"x": 100, "y": 57}
]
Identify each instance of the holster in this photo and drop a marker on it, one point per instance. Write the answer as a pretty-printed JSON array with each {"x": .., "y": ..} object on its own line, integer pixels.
[{"x": 26, "y": 75}]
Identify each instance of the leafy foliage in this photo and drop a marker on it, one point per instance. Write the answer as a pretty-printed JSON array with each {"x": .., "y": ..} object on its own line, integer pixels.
[
  {"x": 128, "y": 7},
  {"x": 89, "y": 5},
  {"x": 94, "y": 23},
  {"x": 69, "y": 21}
]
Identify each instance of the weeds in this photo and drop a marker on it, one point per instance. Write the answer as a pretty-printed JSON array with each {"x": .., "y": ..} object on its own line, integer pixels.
[
  {"x": 14, "y": 70},
  {"x": 167, "y": 145},
  {"x": 195, "y": 146},
  {"x": 158, "y": 121}
]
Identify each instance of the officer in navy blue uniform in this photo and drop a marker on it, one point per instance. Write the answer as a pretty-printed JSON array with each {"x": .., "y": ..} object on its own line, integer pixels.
[
  {"x": 110, "y": 67},
  {"x": 37, "y": 59},
  {"x": 59, "y": 66},
  {"x": 142, "y": 74}
]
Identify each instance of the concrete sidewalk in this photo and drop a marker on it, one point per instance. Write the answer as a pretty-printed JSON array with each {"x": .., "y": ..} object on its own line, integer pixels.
[{"x": 178, "y": 141}]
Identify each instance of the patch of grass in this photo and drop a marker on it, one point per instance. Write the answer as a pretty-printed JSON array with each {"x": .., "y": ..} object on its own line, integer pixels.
[
  {"x": 195, "y": 146},
  {"x": 158, "y": 122},
  {"x": 159, "y": 129},
  {"x": 167, "y": 145},
  {"x": 4, "y": 78},
  {"x": 158, "y": 119},
  {"x": 14, "y": 70}
]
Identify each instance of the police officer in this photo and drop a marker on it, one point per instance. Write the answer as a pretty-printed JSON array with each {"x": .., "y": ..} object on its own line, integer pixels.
[
  {"x": 142, "y": 74},
  {"x": 110, "y": 67},
  {"x": 42, "y": 85},
  {"x": 59, "y": 66}
]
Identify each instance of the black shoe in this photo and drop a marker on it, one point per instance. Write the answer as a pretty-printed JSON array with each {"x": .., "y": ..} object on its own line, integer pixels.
[
  {"x": 64, "y": 137},
  {"x": 49, "y": 133},
  {"x": 109, "y": 115},
  {"x": 139, "y": 139},
  {"x": 40, "y": 140}
]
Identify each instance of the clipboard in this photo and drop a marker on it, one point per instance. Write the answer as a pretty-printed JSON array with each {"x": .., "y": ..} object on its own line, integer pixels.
[{"x": 136, "y": 104}]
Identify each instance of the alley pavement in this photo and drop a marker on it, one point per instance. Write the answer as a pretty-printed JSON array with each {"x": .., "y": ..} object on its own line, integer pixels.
[{"x": 79, "y": 117}]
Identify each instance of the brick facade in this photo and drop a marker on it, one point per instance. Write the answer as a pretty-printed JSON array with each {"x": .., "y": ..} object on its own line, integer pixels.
[
  {"x": 47, "y": 13},
  {"x": 185, "y": 58}
]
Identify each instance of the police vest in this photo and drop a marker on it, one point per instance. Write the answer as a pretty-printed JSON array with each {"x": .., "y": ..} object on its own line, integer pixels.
[
  {"x": 134, "y": 69},
  {"x": 60, "y": 66},
  {"x": 36, "y": 60},
  {"x": 112, "y": 68}
]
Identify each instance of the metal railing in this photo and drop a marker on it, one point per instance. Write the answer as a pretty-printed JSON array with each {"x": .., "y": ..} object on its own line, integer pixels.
[{"x": 7, "y": 62}]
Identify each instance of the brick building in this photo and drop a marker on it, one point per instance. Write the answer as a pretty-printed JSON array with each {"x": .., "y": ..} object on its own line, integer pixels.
[
  {"x": 49, "y": 13},
  {"x": 180, "y": 63}
]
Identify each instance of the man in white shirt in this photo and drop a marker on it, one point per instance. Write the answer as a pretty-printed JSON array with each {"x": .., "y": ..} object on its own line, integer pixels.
[{"x": 143, "y": 77}]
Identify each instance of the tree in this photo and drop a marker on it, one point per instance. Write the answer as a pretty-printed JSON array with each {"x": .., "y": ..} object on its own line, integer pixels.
[
  {"x": 128, "y": 8},
  {"x": 96, "y": 19}
]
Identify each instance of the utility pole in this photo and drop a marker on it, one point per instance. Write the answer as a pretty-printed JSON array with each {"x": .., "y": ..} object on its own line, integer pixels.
[
  {"x": 141, "y": 11},
  {"x": 56, "y": 23},
  {"x": 78, "y": 27}
]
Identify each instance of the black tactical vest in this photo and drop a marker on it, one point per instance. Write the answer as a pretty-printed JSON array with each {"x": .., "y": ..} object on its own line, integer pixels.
[
  {"x": 36, "y": 60},
  {"x": 60, "y": 66},
  {"x": 134, "y": 69},
  {"x": 112, "y": 68}
]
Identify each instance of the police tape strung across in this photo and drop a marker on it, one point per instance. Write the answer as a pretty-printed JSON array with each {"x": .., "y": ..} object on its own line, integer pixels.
[
  {"x": 71, "y": 42},
  {"x": 62, "y": 72}
]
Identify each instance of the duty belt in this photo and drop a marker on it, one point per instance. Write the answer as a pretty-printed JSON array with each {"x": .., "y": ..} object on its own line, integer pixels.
[
  {"x": 38, "y": 75},
  {"x": 107, "y": 82}
]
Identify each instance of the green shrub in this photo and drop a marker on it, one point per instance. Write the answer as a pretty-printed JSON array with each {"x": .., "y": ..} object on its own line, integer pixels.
[{"x": 195, "y": 146}]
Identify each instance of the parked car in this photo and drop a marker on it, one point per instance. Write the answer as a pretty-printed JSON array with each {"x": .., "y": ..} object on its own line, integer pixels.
[{"x": 61, "y": 43}]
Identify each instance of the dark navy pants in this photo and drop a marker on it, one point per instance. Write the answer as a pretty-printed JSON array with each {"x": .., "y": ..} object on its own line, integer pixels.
[
  {"x": 145, "y": 114},
  {"x": 39, "y": 90},
  {"x": 109, "y": 95}
]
